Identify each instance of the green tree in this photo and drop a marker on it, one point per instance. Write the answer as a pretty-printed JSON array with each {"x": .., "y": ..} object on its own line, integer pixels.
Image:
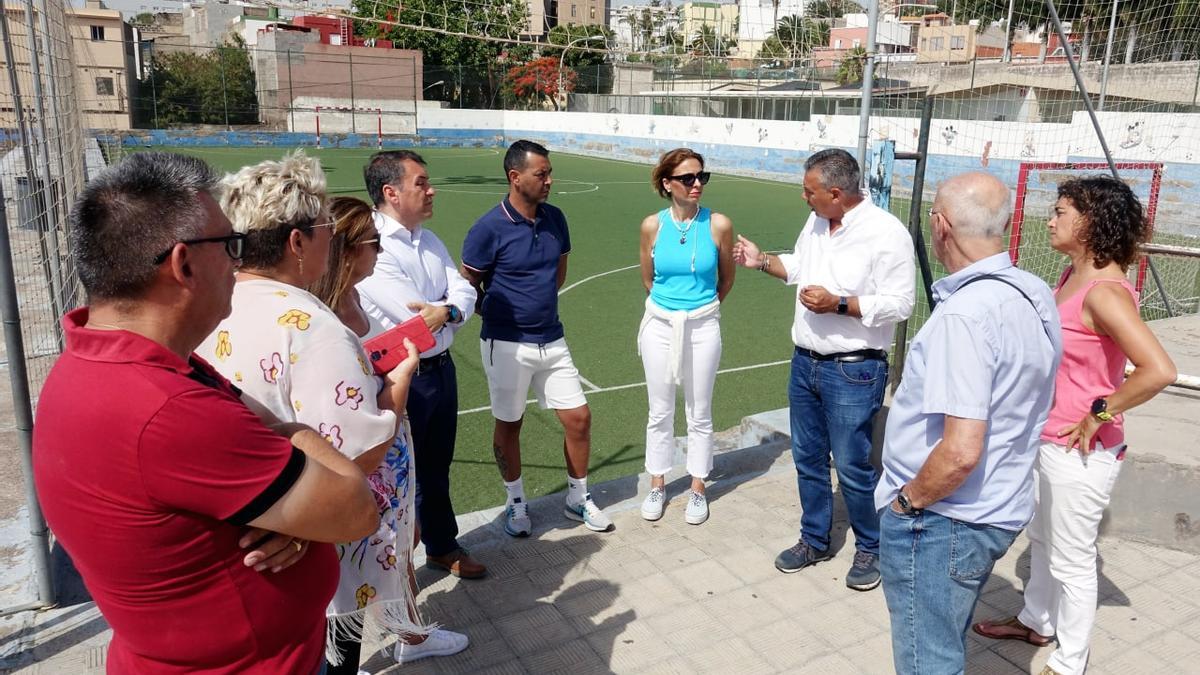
[
  {"x": 831, "y": 9},
  {"x": 204, "y": 87},
  {"x": 472, "y": 68},
  {"x": 850, "y": 69}
]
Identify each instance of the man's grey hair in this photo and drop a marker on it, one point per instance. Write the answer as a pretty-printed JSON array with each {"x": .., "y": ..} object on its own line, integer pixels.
[
  {"x": 978, "y": 205},
  {"x": 836, "y": 169},
  {"x": 131, "y": 213}
]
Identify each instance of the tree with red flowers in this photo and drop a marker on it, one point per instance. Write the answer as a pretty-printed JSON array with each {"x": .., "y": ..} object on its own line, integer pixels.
[{"x": 529, "y": 84}]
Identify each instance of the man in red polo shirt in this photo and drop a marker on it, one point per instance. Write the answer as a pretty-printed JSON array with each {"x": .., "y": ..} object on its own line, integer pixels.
[{"x": 154, "y": 475}]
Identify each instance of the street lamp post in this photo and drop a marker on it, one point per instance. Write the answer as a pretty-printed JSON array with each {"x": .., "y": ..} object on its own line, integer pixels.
[{"x": 562, "y": 61}]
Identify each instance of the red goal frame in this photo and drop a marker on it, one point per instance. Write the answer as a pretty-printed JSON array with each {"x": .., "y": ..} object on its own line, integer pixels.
[{"x": 1014, "y": 241}]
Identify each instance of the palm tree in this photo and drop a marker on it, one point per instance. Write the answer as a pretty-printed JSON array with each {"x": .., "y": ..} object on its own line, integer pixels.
[
  {"x": 705, "y": 40},
  {"x": 851, "y": 68},
  {"x": 798, "y": 35}
]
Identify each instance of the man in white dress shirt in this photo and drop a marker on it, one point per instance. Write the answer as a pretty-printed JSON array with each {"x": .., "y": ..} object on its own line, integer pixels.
[
  {"x": 416, "y": 275},
  {"x": 853, "y": 266}
]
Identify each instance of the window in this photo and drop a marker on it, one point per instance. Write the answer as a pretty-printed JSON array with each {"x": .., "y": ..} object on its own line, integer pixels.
[
  {"x": 572, "y": 11},
  {"x": 104, "y": 86},
  {"x": 924, "y": 43},
  {"x": 958, "y": 42},
  {"x": 857, "y": 44},
  {"x": 937, "y": 43},
  {"x": 97, "y": 33},
  {"x": 837, "y": 44},
  {"x": 593, "y": 12}
]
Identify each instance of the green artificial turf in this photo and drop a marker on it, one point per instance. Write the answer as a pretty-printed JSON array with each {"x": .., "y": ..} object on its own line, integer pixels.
[{"x": 601, "y": 307}]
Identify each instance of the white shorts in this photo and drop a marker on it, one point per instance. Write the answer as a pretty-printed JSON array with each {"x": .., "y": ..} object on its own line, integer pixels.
[{"x": 512, "y": 366}]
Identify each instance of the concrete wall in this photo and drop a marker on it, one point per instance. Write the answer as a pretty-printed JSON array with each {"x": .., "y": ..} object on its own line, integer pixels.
[{"x": 359, "y": 77}]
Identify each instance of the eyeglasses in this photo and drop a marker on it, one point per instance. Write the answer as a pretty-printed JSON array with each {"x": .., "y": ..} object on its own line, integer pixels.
[
  {"x": 689, "y": 179},
  {"x": 378, "y": 246},
  {"x": 330, "y": 224},
  {"x": 233, "y": 246}
]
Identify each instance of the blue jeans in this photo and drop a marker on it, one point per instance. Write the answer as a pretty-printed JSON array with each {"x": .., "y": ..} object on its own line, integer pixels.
[
  {"x": 933, "y": 569},
  {"x": 833, "y": 406}
]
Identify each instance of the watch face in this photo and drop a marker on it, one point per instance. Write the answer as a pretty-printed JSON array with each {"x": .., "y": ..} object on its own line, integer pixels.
[{"x": 1099, "y": 405}]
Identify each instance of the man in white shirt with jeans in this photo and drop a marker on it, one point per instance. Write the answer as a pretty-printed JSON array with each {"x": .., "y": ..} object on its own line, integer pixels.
[
  {"x": 413, "y": 275},
  {"x": 853, "y": 264}
]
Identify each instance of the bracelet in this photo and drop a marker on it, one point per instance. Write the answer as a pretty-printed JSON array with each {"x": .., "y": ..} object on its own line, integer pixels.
[{"x": 765, "y": 264}]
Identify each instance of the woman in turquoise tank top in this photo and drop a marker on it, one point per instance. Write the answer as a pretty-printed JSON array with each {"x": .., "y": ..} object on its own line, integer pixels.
[
  {"x": 687, "y": 270},
  {"x": 1098, "y": 222}
]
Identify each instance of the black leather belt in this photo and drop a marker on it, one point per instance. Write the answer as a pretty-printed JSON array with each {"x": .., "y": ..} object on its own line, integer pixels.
[
  {"x": 435, "y": 361},
  {"x": 846, "y": 357}
]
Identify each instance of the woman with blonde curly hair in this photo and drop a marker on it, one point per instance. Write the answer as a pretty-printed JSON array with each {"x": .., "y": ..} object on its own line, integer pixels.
[
  {"x": 287, "y": 350},
  {"x": 1099, "y": 224}
]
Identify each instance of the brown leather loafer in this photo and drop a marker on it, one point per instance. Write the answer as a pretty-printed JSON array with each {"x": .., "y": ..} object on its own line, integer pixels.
[
  {"x": 1011, "y": 629},
  {"x": 457, "y": 562}
]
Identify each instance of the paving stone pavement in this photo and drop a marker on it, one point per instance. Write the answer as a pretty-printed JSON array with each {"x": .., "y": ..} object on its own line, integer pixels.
[{"x": 667, "y": 597}]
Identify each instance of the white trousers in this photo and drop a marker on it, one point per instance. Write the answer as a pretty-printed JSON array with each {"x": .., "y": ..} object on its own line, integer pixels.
[
  {"x": 701, "y": 348},
  {"x": 1060, "y": 598}
]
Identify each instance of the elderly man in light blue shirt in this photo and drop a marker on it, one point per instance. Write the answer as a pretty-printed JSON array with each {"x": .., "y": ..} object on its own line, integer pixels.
[{"x": 963, "y": 429}]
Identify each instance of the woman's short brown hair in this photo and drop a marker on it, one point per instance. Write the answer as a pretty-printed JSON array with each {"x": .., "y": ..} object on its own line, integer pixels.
[
  {"x": 666, "y": 167},
  {"x": 353, "y": 224}
]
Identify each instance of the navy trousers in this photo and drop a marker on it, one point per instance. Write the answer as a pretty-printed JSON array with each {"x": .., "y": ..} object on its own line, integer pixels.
[{"x": 433, "y": 418}]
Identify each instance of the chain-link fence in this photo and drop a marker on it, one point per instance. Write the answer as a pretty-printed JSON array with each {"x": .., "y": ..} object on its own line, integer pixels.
[{"x": 44, "y": 161}]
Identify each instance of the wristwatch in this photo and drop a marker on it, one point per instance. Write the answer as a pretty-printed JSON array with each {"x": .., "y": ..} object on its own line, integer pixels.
[
  {"x": 1100, "y": 410},
  {"x": 906, "y": 505},
  {"x": 455, "y": 314},
  {"x": 843, "y": 305}
]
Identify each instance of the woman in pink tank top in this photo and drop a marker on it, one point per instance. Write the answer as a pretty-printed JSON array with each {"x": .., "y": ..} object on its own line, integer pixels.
[{"x": 1099, "y": 223}]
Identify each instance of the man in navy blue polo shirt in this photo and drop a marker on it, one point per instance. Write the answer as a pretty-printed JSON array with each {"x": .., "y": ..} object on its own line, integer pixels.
[{"x": 516, "y": 258}]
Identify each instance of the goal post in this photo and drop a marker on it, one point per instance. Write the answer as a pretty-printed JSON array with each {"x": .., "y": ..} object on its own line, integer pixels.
[
  {"x": 344, "y": 116},
  {"x": 1029, "y": 247}
]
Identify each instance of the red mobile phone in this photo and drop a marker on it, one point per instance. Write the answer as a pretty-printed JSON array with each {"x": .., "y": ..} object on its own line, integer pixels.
[{"x": 386, "y": 350}]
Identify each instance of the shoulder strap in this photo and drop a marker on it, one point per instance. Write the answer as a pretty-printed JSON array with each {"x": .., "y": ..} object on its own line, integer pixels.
[{"x": 1013, "y": 286}]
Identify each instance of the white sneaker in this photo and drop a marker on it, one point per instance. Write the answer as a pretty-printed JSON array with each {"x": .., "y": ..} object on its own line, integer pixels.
[
  {"x": 652, "y": 507},
  {"x": 516, "y": 519},
  {"x": 697, "y": 509},
  {"x": 589, "y": 514},
  {"x": 441, "y": 642}
]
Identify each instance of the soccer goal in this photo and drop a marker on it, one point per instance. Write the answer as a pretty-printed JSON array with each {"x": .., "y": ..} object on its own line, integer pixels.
[
  {"x": 1037, "y": 182},
  {"x": 345, "y": 120}
]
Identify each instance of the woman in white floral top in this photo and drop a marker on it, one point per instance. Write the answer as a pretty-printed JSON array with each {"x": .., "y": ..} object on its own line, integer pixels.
[{"x": 285, "y": 348}]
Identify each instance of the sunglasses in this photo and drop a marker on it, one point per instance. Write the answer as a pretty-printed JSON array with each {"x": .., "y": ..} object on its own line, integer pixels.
[
  {"x": 374, "y": 242},
  {"x": 233, "y": 246},
  {"x": 689, "y": 179}
]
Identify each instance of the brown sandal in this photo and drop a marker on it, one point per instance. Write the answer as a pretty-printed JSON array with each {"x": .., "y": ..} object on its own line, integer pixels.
[{"x": 1011, "y": 629}]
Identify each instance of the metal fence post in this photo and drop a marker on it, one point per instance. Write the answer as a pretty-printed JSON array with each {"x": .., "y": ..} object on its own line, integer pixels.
[
  {"x": 291, "y": 93},
  {"x": 224, "y": 87},
  {"x": 153, "y": 85},
  {"x": 18, "y": 379},
  {"x": 350, "y": 67}
]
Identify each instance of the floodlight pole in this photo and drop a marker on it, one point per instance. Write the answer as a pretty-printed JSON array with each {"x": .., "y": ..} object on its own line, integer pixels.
[
  {"x": 1087, "y": 103},
  {"x": 868, "y": 84},
  {"x": 562, "y": 60}
]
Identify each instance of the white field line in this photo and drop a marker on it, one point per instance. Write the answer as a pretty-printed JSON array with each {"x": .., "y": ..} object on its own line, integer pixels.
[
  {"x": 596, "y": 276},
  {"x": 635, "y": 385},
  {"x": 588, "y": 383}
]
